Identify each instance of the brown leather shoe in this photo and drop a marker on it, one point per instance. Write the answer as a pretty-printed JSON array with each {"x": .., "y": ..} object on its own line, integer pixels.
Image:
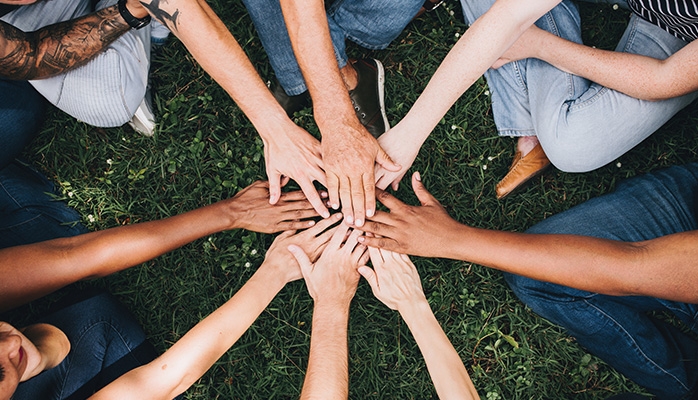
[{"x": 522, "y": 169}]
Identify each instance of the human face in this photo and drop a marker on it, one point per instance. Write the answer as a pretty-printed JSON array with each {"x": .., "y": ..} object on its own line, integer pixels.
[{"x": 15, "y": 353}]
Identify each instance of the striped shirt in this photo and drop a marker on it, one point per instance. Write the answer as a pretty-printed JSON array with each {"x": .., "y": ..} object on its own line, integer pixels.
[{"x": 678, "y": 17}]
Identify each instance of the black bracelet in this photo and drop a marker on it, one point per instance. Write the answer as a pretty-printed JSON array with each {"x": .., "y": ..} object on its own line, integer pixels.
[{"x": 136, "y": 23}]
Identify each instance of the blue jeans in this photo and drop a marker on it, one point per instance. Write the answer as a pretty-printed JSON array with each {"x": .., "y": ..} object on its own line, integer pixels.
[
  {"x": 648, "y": 351},
  {"x": 372, "y": 24},
  {"x": 28, "y": 212},
  {"x": 21, "y": 114},
  {"x": 106, "y": 342},
  {"x": 580, "y": 125}
]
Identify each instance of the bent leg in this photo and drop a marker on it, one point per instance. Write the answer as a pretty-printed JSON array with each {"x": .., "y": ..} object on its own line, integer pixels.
[
  {"x": 21, "y": 116},
  {"x": 652, "y": 353}
]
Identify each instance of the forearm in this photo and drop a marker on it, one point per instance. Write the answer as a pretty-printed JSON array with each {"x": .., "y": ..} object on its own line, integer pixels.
[
  {"x": 662, "y": 267},
  {"x": 217, "y": 51},
  {"x": 312, "y": 45},
  {"x": 192, "y": 355},
  {"x": 446, "y": 369},
  {"x": 328, "y": 371},
  {"x": 481, "y": 45},
  {"x": 57, "y": 48},
  {"x": 31, "y": 271},
  {"x": 635, "y": 75}
]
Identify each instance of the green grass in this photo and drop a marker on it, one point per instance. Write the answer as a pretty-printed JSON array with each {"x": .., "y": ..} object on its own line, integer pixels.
[{"x": 207, "y": 150}]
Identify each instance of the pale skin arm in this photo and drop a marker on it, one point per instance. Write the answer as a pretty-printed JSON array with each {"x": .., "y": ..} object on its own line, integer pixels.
[
  {"x": 191, "y": 356},
  {"x": 332, "y": 283},
  {"x": 60, "y": 47},
  {"x": 481, "y": 45},
  {"x": 31, "y": 271},
  {"x": 635, "y": 75},
  {"x": 349, "y": 152},
  {"x": 290, "y": 152},
  {"x": 395, "y": 282},
  {"x": 664, "y": 267}
]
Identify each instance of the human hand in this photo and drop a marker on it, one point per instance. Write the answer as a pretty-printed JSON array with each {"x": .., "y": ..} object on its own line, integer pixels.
[
  {"x": 294, "y": 154},
  {"x": 349, "y": 154},
  {"x": 422, "y": 231},
  {"x": 250, "y": 209},
  {"x": 401, "y": 151},
  {"x": 524, "y": 47},
  {"x": 394, "y": 279},
  {"x": 333, "y": 278},
  {"x": 312, "y": 241}
]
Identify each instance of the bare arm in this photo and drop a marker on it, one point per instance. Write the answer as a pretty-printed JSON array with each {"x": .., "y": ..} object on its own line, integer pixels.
[
  {"x": 635, "y": 75},
  {"x": 664, "y": 267},
  {"x": 59, "y": 47},
  {"x": 481, "y": 45},
  {"x": 191, "y": 356},
  {"x": 332, "y": 282},
  {"x": 395, "y": 282},
  {"x": 349, "y": 151},
  {"x": 31, "y": 271},
  {"x": 289, "y": 151}
]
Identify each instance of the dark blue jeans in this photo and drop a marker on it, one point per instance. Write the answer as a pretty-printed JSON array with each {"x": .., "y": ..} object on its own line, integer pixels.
[
  {"x": 28, "y": 212},
  {"x": 106, "y": 342},
  {"x": 651, "y": 352},
  {"x": 21, "y": 114}
]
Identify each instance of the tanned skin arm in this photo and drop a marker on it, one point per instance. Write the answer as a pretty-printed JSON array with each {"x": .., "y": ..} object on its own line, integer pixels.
[{"x": 60, "y": 47}]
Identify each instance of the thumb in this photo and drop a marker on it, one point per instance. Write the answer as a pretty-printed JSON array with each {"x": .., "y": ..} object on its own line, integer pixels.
[
  {"x": 384, "y": 160},
  {"x": 302, "y": 258},
  {"x": 370, "y": 277},
  {"x": 425, "y": 198},
  {"x": 274, "y": 187}
]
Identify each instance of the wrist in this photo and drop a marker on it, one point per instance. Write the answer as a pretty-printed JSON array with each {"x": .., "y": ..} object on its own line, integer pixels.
[
  {"x": 133, "y": 13},
  {"x": 415, "y": 310}
]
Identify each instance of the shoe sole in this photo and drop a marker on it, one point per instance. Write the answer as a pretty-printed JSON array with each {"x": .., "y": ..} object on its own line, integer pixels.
[
  {"x": 381, "y": 93},
  {"x": 523, "y": 183}
]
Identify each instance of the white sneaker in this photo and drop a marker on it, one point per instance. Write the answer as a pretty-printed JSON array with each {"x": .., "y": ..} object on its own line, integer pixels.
[{"x": 143, "y": 120}]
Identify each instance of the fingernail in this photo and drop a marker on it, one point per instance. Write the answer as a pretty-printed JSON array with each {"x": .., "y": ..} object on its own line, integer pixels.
[
  {"x": 417, "y": 176},
  {"x": 338, "y": 216},
  {"x": 350, "y": 219},
  {"x": 369, "y": 213},
  {"x": 326, "y": 214},
  {"x": 361, "y": 239},
  {"x": 323, "y": 194},
  {"x": 359, "y": 222},
  {"x": 311, "y": 223},
  {"x": 335, "y": 206}
]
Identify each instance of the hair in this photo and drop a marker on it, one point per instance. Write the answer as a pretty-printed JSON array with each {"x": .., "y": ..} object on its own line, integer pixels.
[{"x": 2, "y": 373}]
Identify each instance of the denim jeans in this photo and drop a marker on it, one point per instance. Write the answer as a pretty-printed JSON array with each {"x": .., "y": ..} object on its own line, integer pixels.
[
  {"x": 580, "y": 125},
  {"x": 28, "y": 212},
  {"x": 108, "y": 89},
  {"x": 653, "y": 353},
  {"x": 372, "y": 24},
  {"x": 105, "y": 342},
  {"x": 21, "y": 114}
]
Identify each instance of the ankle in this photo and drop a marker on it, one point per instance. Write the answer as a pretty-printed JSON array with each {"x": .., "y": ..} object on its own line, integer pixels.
[{"x": 525, "y": 144}]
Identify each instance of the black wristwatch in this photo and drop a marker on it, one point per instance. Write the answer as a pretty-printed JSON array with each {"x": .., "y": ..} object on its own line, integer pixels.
[{"x": 136, "y": 23}]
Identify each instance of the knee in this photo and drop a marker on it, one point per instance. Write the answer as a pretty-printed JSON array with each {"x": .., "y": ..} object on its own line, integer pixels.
[{"x": 575, "y": 156}]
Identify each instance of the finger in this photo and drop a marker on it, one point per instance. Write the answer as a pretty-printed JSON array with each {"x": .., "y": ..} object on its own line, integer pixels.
[
  {"x": 333, "y": 190},
  {"x": 376, "y": 257},
  {"x": 302, "y": 259},
  {"x": 425, "y": 198},
  {"x": 299, "y": 214},
  {"x": 314, "y": 198},
  {"x": 395, "y": 185},
  {"x": 358, "y": 200},
  {"x": 345, "y": 198},
  {"x": 338, "y": 237},
  {"x": 384, "y": 160},
  {"x": 369, "y": 194},
  {"x": 322, "y": 225},
  {"x": 294, "y": 225},
  {"x": 274, "y": 187},
  {"x": 352, "y": 240},
  {"x": 364, "y": 255},
  {"x": 380, "y": 243},
  {"x": 376, "y": 227},
  {"x": 284, "y": 180},
  {"x": 296, "y": 195},
  {"x": 388, "y": 199}
]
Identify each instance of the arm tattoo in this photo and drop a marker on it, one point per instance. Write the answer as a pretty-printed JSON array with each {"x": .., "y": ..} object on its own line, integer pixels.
[
  {"x": 169, "y": 20},
  {"x": 59, "y": 47}
]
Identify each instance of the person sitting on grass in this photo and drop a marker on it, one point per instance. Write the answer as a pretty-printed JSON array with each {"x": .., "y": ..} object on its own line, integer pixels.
[
  {"x": 596, "y": 269},
  {"x": 582, "y": 108},
  {"x": 96, "y": 326},
  {"x": 332, "y": 282}
]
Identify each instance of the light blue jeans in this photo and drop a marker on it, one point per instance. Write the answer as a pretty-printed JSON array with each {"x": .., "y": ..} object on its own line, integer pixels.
[
  {"x": 107, "y": 90},
  {"x": 653, "y": 353},
  {"x": 580, "y": 125},
  {"x": 372, "y": 24}
]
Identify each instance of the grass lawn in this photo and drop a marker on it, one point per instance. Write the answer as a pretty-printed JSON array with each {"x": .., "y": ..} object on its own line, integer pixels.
[{"x": 207, "y": 150}]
